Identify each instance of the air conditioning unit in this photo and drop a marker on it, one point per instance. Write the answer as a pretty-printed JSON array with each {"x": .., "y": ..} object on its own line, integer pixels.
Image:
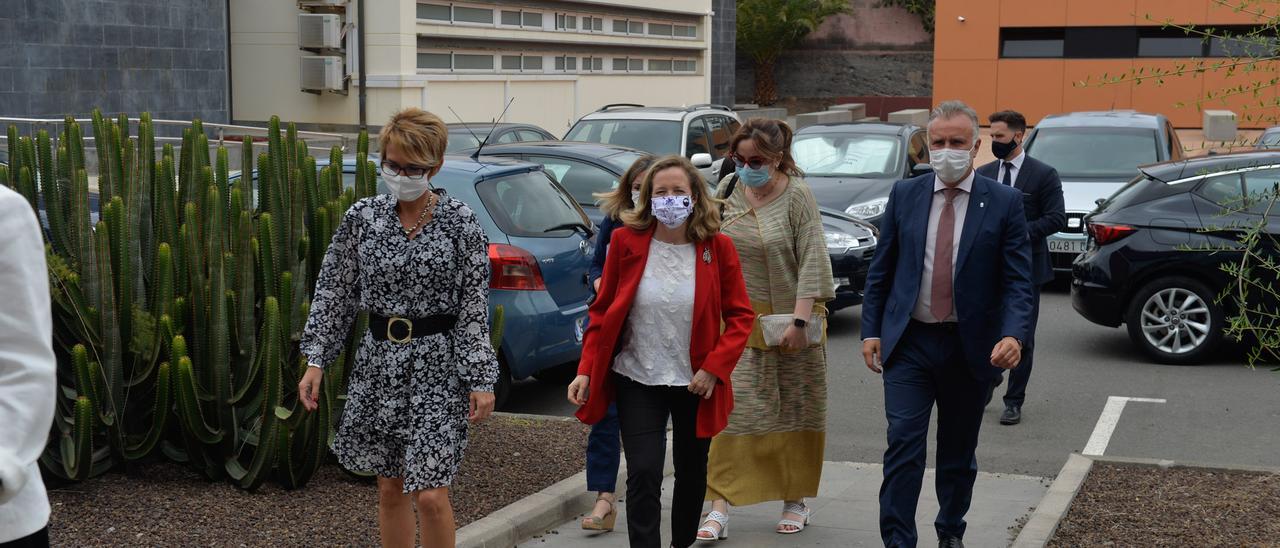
[
  {"x": 319, "y": 30},
  {"x": 322, "y": 73}
]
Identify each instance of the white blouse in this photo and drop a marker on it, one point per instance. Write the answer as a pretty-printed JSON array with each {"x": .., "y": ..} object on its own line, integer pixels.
[{"x": 655, "y": 341}]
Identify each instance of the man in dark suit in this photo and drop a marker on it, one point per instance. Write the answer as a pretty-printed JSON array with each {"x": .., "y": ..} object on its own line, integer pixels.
[
  {"x": 947, "y": 305},
  {"x": 1046, "y": 214}
]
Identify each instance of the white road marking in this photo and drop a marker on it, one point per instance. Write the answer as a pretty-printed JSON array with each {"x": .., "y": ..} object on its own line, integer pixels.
[{"x": 1107, "y": 423}]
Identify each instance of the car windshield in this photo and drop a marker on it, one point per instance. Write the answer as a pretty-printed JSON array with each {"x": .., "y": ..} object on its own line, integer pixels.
[
  {"x": 659, "y": 137},
  {"x": 530, "y": 205},
  {"x": 1270, "y": 140},
  {"x": 1095, "y": 153},
  {"x": 847, "y": 155},
  {"x": 461, "y": 139}
]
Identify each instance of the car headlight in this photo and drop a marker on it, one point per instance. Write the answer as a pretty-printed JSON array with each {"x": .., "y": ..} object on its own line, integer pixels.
[
  {"x": 840, "y": 241},
  {"x": 868, "y": 210}
]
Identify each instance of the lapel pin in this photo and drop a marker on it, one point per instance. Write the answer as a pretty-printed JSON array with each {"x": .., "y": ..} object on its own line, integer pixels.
[
  {"x": 706, "y": 255},
  {"x": 982, "y": 204}
]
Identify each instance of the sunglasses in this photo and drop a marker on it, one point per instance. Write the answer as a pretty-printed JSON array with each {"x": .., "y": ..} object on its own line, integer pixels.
[
  {"x": 391, "y": 169},
  {"x": 754, "y": 163}
]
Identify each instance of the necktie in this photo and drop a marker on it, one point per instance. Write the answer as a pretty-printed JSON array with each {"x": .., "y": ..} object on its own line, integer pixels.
[
  {"x": 940, "y": 302},
  {"x": 1008, "y": 171}
]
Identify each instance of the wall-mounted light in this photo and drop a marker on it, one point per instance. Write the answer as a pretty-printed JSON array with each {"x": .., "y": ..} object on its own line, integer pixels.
[{"x": 961, "y": 18}]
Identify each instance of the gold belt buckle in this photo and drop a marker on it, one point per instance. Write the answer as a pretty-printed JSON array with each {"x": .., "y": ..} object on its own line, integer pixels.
[{"x": 407, "y": 337}]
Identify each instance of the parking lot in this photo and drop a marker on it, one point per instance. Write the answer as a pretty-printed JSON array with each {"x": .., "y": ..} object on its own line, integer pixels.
[{"x": 1218, "y": 413}]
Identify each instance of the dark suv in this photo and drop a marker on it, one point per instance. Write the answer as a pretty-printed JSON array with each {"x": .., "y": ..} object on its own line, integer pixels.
[{"x": 1148, "y": 263}]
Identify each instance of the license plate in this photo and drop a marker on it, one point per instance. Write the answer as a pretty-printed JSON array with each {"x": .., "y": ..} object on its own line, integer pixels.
[
  {"x": 840, "y": 282},
  {"x": 578, "y": 330},
  {"x": 1067, "y": 246}
]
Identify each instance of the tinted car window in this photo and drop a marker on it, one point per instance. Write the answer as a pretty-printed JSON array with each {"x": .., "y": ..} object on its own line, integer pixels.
[
  {"x": 507, "y": 137},
  {"x": 1223, "y": 190},
  {"x": 461, "y": 140},
  {"x": 720, "y": 135},
  {"x": 1269, "y": 140},
  {"x": 1103, "y": 152},
  {"x": 919, "y": 153},
  {"x": 697, "y": 138},
  {"x": 1260, "y": 185},
  {"x": 579, "y": 178},
  {"x": 530, "y": 205},
  {"x": 659, "y": 137},
  {"x": 531, "y": 135},
  {"x": 850, "y": 155}
]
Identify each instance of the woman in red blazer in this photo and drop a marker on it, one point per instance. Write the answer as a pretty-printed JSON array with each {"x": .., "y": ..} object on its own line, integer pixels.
[{"x": 669, "y": 323}]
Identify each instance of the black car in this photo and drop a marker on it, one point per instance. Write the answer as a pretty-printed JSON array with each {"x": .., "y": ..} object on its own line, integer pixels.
[
  {"x": 1147, "y": 263},
  {"x": 469, "y": 135},
  {"x": 852, "y": 167},
  {"x": 585, "y": 169}
]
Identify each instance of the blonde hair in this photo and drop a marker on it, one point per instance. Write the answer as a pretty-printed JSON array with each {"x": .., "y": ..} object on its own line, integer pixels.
[
  {"x": 702, "y": 224},
  {"x": 614, "y": 202},
  {"x": 417, "y": 134}
]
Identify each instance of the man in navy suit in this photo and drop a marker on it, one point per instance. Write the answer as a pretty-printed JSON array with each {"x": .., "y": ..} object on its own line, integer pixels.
[
  {"x": 1046, "y": 214},
  {"x": 947, "y": 306}
]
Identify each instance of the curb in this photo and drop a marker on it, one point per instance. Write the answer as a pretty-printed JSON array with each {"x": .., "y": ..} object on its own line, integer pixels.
[
  {"x": 541, "y": 511},
  {"x": 1043, "y": 523}
]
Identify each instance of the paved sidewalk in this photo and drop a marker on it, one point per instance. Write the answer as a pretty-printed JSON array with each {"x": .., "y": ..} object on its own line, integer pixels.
[{"x": 845, "y": 513}]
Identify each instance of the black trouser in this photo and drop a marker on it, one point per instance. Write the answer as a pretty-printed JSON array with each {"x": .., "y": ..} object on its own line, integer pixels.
[
  {"x": 38, "y": 539},
  {"x": 642, "y": 415},
  {"x": 1016, "y": 392}
]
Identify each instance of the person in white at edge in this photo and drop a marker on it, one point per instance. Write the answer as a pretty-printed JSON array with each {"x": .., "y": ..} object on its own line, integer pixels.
[{"x": 27, "y": 374}]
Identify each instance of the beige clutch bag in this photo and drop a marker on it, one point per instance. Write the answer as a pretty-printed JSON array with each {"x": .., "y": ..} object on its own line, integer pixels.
[{"x": 773, "y": 326}]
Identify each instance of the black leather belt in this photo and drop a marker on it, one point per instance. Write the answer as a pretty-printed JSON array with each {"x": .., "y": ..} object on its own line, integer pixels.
[
  {"x": 402, "y": 330},
  {"x": 942, "y": 326}
]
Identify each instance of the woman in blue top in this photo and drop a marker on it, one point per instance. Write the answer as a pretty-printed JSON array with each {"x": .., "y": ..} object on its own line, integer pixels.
[{"x": 604, "y": 446}]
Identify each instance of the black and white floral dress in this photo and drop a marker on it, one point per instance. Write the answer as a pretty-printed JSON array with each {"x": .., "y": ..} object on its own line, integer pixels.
[{"x": 407, "y": 404}]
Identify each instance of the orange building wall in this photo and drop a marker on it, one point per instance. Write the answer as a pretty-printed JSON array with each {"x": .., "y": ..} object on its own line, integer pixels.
[{"x": 967, "y": 63}]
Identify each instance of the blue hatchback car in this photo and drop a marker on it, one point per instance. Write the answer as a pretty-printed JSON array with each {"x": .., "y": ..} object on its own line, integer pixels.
[{"x": 540, "y": 245}]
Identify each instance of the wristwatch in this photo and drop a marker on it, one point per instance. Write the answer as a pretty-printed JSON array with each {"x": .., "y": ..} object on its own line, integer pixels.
[{"x": 798, "y": 322}]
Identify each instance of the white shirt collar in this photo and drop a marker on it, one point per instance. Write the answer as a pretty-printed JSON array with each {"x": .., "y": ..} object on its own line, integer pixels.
[
  {"x": 1016, "y": 161},
  {"x": 966, "y": 184}
]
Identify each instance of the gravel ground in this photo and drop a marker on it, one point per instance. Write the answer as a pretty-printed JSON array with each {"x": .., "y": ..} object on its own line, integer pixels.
[
  {"x": 165, "y": 504},
  {"x": 1128, "y": 505}
]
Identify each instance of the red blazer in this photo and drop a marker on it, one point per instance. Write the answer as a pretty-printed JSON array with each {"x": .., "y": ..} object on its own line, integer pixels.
[{"x": 720, "y": 298}]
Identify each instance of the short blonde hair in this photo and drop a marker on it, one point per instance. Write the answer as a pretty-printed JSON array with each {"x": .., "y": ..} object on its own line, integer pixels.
[
  {"x": 702, "y": 225},
  {"x": 417, "y": 134}
]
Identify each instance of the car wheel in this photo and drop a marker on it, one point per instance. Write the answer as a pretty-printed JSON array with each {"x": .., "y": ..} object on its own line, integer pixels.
[
  {"x": 1175, "y": 320},
  {"x": 502, "y": 390}
]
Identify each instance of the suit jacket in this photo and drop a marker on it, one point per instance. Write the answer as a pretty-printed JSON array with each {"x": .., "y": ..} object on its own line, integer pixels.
[
  {"x": 1043, "y": 203},
  {"x": 993, "y": 288},
  {"x": 720, "y": 298}
]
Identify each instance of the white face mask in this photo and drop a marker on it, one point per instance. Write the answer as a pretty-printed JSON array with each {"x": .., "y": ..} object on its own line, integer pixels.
[
  {"x": 950, "y": 164},
  {"x": 671, "y": 211},
  {"x": 635, "y": 197},
  {"x": 405, "y": 188}
]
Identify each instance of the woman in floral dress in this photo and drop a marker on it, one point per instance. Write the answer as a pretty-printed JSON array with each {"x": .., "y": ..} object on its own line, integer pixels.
[{"x": 417, "y": 262}]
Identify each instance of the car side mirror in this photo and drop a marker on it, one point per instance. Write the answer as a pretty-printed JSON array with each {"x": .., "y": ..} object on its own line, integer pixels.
[
  {"x": 701, "y": 160},
  {"x": 920, "y": 169}
]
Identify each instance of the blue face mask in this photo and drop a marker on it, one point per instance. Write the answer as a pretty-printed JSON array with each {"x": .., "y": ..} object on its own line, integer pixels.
[{"x": 754, "y": 178}]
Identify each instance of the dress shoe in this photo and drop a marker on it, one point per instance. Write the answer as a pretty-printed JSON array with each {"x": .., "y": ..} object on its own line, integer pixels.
[
  {"x": 1012, "y": 415},
  {"x": 950, "y": 542}
]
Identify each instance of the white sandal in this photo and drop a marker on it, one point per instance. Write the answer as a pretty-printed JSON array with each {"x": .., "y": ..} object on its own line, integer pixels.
[
  {"x": 720, "y": 519},
  {"x": 801, "y": 510}
]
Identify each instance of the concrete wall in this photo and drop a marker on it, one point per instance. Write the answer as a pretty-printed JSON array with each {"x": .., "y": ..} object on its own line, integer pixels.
[
  {"x": 61, "y": 57},
  {"x": 870, "y": 26}
]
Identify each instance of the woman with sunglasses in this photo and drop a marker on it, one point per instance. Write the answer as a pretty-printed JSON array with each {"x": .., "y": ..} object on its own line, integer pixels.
[
  {"x": 417, "y": 262},
  {"x": 656, "y": 345},
  {"x": 604, "y": 447},
  {"x": 772, "y": 448}
]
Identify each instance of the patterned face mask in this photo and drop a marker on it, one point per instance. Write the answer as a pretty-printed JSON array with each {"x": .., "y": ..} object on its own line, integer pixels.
[{"x": 671, "y": 211}]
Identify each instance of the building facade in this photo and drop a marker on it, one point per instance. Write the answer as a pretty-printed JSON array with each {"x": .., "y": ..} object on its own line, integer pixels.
[
  {"x": 71, "y": 56},
  {"x": 1047, "y": 57},
  {"x": 553, "y": 60}
]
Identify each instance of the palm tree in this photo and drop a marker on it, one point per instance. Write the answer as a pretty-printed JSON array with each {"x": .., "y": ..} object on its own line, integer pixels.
[{"x": 768, "y": 27}]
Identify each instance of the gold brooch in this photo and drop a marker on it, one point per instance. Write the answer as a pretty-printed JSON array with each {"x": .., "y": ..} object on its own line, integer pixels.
[{"x": 706, "y": 255}]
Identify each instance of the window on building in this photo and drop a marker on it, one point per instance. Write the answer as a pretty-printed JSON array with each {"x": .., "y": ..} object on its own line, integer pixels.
[
  {"x": 472, "y": 62},
  {"x": 511, "y": 18},
  {"x": 566, "y": 22},
  {"x": 1101, "y": 42},
  {"x": 620, "y": 63},
  {"x": 592, "y": 24},
  {"x": 686, "y": 31},
  {"x": 635, "y": 65},
  {"x": 566, "y": 63},
  {"x": 658, "y": 29},
  {"x": 434, "y": 12},
  {"x": 510, "y": 62},
  {"x": 1169, "y": 43},
  {"x": 532, "y": 19},
  {"x": 1015, "y": 43},
  {"x": 592, "y": 63},
  {"x": 660, "y": 65},
  {"x": 685, "y": 65},
  {"x": 620, "y": 26},
  {"x": 472, "y": 15},
  {"x": 522, "y": 62},
  {"x": 532, "y": 63},
  {"x": 435, "y": 61},
  {"x": 635, "y": 27}
]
